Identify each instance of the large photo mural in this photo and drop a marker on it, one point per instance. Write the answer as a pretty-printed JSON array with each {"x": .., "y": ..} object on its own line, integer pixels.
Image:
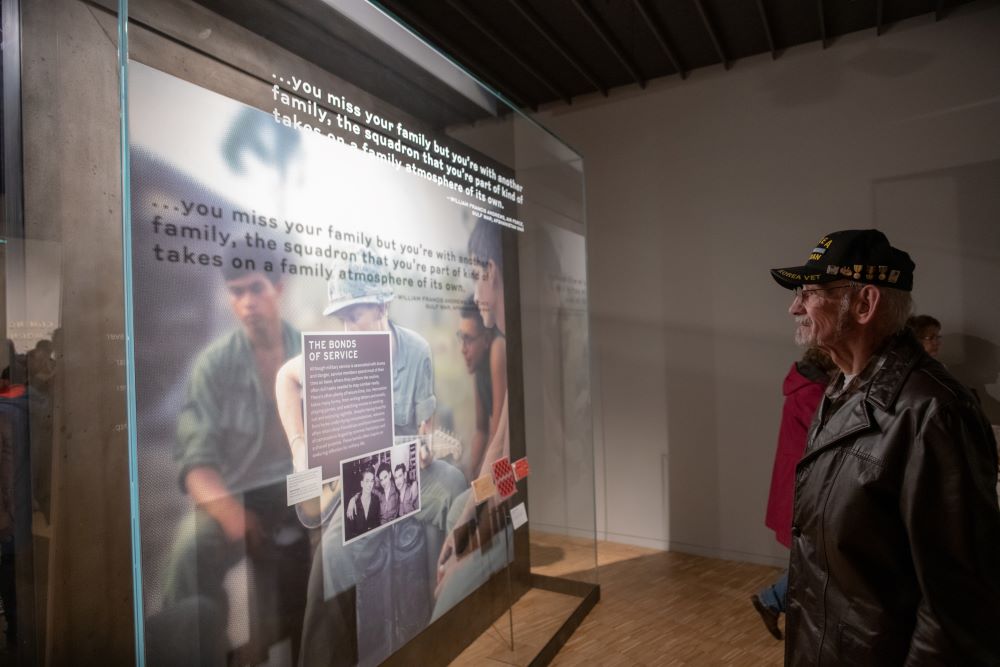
[{"x": 321, "y": 376}]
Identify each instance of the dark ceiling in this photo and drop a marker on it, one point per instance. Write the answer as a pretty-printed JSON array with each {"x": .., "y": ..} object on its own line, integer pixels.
[{"x": 540, "y": 51}]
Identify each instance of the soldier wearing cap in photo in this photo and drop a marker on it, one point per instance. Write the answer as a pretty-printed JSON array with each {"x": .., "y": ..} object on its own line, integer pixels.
[
  {"x": 359, "y": 297},
  {"x": 393, "y": 572},
  {"x": 896, "y": 527}
]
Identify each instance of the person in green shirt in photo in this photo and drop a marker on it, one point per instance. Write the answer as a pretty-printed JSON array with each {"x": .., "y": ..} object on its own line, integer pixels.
[{"x": 232, "y": 459}]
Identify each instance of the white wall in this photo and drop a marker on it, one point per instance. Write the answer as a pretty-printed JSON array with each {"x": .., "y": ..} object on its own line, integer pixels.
[{"x": 695, "y": 188}]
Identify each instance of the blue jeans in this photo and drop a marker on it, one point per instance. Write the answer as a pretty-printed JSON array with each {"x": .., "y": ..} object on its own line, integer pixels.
[{"x": 773, "y": 596}]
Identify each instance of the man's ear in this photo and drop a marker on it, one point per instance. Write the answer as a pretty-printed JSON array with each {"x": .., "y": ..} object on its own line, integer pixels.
[{"x": 866, "y": 304}]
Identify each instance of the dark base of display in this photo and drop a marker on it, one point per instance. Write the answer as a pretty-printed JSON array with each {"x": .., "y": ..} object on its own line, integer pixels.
[
  {"x": 589, "y": 594},
  {"x": 446, "y": 638}
]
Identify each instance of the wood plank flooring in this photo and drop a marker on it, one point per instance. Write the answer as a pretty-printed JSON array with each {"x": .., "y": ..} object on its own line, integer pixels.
[{"x": 657, "y": 608}]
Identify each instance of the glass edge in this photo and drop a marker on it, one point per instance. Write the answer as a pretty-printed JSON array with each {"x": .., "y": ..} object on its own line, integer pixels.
[
  {"x": 133, "y": 450},
  {"x": 591, "y": 371}
]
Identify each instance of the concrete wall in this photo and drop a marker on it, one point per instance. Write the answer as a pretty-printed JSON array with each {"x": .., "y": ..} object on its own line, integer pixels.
[
  {"x": 695, "y": 188},
  {"x": 72, "y": 204}
]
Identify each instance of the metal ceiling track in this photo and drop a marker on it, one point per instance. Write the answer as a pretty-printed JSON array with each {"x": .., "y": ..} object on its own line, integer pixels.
[
  {"x": 492, "y": 35},
  {"x": 822, "y": 22},
  {"x": 621, "y": 27},
  {"x": 462, "y": 56},
  {"x": 609, "y": 40},
  {"x": 538, "y": 23},
  {"x": 716, "y": 40},
  {"x": 661, "y": 36},
  {"x": 767, "y": 29}
]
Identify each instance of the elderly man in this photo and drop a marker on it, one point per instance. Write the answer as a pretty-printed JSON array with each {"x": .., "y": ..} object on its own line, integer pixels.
[{"x": 896, "y": 528}]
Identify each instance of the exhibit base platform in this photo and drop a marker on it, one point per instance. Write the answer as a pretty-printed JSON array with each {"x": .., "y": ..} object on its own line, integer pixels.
[
  {"x": 544, "y": 613},
  {"x": 544, "y": 619}
]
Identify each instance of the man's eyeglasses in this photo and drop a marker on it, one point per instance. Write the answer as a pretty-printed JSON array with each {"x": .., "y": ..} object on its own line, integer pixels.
[{"x": 804, "y": 294}]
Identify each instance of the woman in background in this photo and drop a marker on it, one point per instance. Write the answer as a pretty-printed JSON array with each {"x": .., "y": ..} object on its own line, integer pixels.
[
  {"x": 928, "y": 331},
  {"x": 803, "y": 389}
]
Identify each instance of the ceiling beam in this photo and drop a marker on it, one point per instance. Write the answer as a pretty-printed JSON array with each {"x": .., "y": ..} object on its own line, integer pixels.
[
  {"x": 661, "y": 36},
  {"x": 716, "y": 41},
  {"x": 939, "y": 10},
  {"x": 822, "y": 22},
  {"x": 609, "y": 40},
  {"x": 459, "y": 54},
  {"x": 538, "y": 23},
  {"x": 481, "y": 25},
  {"x": 767, "y": 29},
  {"x": 879, "y": 11}
]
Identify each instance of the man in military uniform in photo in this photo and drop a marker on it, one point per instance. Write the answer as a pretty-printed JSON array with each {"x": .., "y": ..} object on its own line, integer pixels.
[
  {"x": 896, "y": 527},
  {"x": 233, "y": 460}
]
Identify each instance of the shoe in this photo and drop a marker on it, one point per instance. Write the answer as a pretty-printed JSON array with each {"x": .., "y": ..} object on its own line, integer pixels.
[{"x": 768, "y": 615}]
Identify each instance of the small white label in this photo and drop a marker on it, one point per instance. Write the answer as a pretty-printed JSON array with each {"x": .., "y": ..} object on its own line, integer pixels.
[
  {"x": 518, "y": 515},
  {"x": 304, "y": 485}
]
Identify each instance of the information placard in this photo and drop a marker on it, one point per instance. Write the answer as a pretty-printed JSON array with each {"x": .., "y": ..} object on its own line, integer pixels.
[{"x": 348, "y": 396}]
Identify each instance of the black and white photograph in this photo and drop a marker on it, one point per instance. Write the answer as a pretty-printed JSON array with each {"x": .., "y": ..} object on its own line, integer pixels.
[{"x": 379, "y": 489}]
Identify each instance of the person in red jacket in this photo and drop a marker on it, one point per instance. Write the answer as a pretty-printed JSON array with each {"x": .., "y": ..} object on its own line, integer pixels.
[{"x": 803, "y": 389}]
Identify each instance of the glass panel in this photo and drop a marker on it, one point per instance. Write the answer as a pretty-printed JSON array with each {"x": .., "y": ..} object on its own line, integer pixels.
[
  {"x": 316, "y": 171},
  {"x": 353, "y": 276},
  {"x": 64, "y": 523},
  {"x": 557, "y": 341}
]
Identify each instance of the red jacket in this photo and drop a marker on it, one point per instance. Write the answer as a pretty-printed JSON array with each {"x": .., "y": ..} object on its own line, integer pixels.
[{"x": 802, "y": 396}]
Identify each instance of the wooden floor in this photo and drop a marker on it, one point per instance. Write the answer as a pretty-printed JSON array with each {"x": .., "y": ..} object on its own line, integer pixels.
[{"x": 657, "y": 608}]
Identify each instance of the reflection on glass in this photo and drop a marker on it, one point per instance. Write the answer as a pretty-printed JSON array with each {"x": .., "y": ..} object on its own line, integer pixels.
[
  {"x": 31, "y": 360},
  {"x": 326, "y": 210}
]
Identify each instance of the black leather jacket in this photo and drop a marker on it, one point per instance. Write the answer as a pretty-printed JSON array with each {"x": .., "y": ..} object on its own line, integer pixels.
[{"x": 896, "y": 530}]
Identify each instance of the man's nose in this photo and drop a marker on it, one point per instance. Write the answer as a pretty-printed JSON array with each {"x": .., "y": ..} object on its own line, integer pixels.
[{"x": 796, "y": 306}]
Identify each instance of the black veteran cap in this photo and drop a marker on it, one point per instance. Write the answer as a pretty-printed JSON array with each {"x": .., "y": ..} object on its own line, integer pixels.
[{"x": 861, "y": 255}]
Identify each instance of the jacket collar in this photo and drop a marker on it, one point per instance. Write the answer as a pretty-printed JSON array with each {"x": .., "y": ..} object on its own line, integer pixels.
[
  {"x": 890, "y": 369},
  {"x": 851, "y": 419},
  {"x": 897, "y": 362}
]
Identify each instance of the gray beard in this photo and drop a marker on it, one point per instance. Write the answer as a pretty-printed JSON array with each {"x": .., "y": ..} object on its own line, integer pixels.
[
  {"x": 807, "y": 337},
  {"x": 803, "y": 337}
]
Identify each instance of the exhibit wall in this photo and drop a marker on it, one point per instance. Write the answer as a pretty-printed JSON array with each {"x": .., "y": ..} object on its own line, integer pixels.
[
  {"x": 697, "y": 187},
  {"x": 303, "y": 312},
  {"x": 72, "y": 197}
]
